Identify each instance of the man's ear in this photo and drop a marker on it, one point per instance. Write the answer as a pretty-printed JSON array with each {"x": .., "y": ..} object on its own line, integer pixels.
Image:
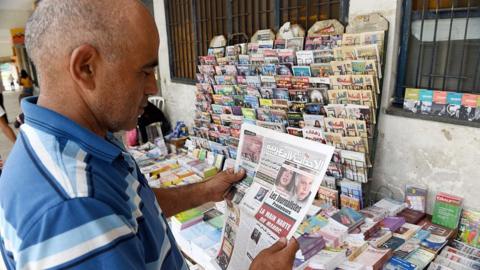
[{"x": 83, "y": 64}]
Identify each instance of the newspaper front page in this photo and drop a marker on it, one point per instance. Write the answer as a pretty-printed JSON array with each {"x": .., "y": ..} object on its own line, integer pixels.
[{"x": 283, "y": 175}]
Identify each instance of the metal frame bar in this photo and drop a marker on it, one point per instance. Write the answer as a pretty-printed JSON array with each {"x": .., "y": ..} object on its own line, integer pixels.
[
  {"x": 442, "y": 77},
  {"x": 220, "y": 19},
  {"x": 405, "y": 35}
]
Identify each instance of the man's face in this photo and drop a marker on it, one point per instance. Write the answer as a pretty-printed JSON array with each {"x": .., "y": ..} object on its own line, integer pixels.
[
  {"x": 127, "y": 81},
  {"x": 303, "y": 187}
]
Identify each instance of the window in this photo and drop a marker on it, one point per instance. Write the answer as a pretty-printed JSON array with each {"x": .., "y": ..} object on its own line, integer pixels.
[
  {"x": 440, "y": 47},
  {"x": 193, "y": 23}
]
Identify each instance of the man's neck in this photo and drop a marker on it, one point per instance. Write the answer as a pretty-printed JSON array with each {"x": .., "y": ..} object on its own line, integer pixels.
[{"x": 77, "y": 111}]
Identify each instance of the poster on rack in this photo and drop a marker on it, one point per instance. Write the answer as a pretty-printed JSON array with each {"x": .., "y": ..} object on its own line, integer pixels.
[{"x": 284, "y": 174}]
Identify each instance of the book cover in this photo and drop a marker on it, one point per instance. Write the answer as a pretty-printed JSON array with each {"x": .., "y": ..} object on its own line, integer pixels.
[
  {"x": 436, "y": 229},
  {"x": 426, "y": 98},
  {"x": 374, "y": 258},
  {"x": 393, "y": 207},
  {"x": 434, "y": 243},
  {"x": 393, "y": 243},
  {"x": 379, "y": 237},
  {"x": 416, "y": 197},
  {"x": 439, "y": 104},
  {"x": 374, "y": 213},
  {"x": 421, "y": 258},
  {"x": 407, "y": 231},
  {"x": 447, "y": 210},
  {"x": 396, "y": 263},
  {"x": 412, "y": 216},
  {"x": 469, "y": 107},
  {"x": 454, "y": 103},
  {"x": 347, "y": 201},
  {"x": 406, "y": 249},
  {"x": 469, "y": 228},
  {"x": 411, "y": 100},
  {"x": 392, "y": 223},
  {"x": 348, "y": 217},
  {"x": 327, "y": 259}
]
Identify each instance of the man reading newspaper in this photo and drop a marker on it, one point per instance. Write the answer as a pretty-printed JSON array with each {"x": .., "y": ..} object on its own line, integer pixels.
[{"x": 71, "y": 197}]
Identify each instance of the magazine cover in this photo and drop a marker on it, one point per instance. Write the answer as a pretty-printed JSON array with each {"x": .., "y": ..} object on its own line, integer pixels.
[
  {"x": 416, "y": 197},
  {"x": 304, "y": 58},
  {"x": 295, "y": 43},
  {"x": 411, "y": 101},
  {"x": 469, "y": 107},
  {"x": 469, "y": 229},
  {"x": 280, "y": 93},
  {"x": 302, "y": 71},
  {"x": 454, "y": 103},
  {"x": 283, "y": 176},
  {"x": 439, "y": 104},
  {"x": 317, "y": 121},
  {"x": 426, "y": 98}
]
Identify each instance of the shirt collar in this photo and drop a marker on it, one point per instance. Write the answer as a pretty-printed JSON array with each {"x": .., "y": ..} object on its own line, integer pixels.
[{"x": 61, "y": 126}]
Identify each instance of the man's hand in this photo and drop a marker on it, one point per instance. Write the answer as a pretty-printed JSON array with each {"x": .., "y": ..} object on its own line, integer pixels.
[
  {"x": 218, "y": 186},
  {"x": 279, "y": 256}
]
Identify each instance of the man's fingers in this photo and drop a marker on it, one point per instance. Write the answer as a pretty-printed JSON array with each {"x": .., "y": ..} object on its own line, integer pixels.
[
  {"x": 279, "y": 245},
  {"x": 231, "y": 177},
  {"x": 292, "y": 247}
]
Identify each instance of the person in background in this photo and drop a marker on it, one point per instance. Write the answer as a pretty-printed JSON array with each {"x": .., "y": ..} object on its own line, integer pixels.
[
  {"x": 71, "y": 196},
  {"x": 12, "y": 82},
  {"x": 6, "y": 129},
  {"x": 26, "y": 82},
  {"x": 2, "y": 89},
  {"x": 151, "y": 115}
]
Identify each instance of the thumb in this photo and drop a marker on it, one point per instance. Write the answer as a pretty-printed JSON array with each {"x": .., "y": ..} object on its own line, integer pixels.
[
  {"x": 231, "y": 177},
  {"x": 279, "y": 245},
  {"x": 292, "y": 247}
]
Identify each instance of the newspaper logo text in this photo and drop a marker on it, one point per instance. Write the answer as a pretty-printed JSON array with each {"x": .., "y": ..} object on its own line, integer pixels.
[{"x": 297, "y": 157}]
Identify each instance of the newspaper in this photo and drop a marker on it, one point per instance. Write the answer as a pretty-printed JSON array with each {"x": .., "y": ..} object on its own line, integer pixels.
[{"x": 283, "y": 175}]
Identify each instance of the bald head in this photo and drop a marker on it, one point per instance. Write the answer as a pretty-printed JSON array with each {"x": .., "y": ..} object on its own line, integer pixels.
[
  {"x": 95, "y": 58},
  {"x": 57, "y": 27}
]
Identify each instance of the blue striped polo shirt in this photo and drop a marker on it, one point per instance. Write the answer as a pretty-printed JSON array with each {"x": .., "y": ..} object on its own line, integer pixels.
[{"x": 71, "y": 199}]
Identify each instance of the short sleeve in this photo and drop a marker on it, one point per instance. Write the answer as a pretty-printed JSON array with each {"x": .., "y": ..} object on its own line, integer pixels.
[{"x": 82, "y": 233}]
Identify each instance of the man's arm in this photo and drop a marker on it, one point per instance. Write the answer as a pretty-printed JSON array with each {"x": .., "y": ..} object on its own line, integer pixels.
[{"x": 175, "y": 200}]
